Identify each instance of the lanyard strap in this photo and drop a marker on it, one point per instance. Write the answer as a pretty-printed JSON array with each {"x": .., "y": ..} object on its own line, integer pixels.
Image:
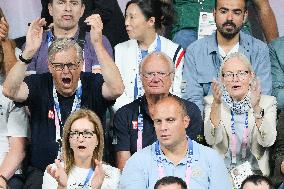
[
  {"x": 138, "y": 89},
  {"x": 90, "y": 173},
  {"x": 161, "y": 170},
  {"x": 234, "y": 139},
  {"x": 58, "y": 119},
  {"x": 140, "y": 130}
]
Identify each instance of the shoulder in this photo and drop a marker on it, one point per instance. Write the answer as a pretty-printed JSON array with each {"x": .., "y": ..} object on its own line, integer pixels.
[
  {"x": 278, "y": 43},
  {"x": 252, "y": 41},
  {"x": 206, "y": 152},
  {"x": 143, "y": 155},
  {"x": 267, "y": 100},
  {"x": 190, "y": 106},
  {"x": 125, "y": 45},
  {"x": 111, "y": 171},
  {"x": 131, "y": 107}
]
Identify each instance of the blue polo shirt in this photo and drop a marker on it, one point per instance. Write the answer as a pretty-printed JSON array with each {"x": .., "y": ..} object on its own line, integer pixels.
[{"x": 208, "y": 169}]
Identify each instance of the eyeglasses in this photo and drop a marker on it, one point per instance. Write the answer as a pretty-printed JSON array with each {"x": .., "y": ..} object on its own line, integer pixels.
[
  {"x": 151, "y": 75},
  {"x": 61, "y": 66},
  {"x": 228, "y": 76},
  {"x": 85, "y": 134}
]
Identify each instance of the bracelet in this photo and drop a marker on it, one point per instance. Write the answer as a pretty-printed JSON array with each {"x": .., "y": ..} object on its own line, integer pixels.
[
  {"x": 26, "y": 61},
  {"x": 259, "y": 115},
  {"x": 4, "y": 178}
]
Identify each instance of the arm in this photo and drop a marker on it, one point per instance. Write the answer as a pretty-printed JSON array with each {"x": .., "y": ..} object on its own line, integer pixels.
[
  {"x": 277, "y": 73},
  {"x": 267, "y": 19},
  {"x": 121, "y": 158},
  {"x": 193, "y": 90},
  {"x": 113, "y": 86},
  {"x": 14, "y": 87}
]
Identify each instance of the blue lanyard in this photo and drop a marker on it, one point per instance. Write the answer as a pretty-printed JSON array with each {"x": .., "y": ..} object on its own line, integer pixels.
[
  {"x": 140, "y": 130},
  {"x": 90, "y": 173}
]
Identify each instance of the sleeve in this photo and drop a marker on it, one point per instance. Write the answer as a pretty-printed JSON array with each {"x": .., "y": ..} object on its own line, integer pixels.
[
  {"x": 212, "y": 135},
  {"x": 277, "y": 73},
  {"x": 112, "y": 177},
  {"x": 196, "y": 123},
  {"x": 266, "y": 134},
  {"x": 193, "y": 90},
  {"x": 133, "y": 175},
  {"x": 218, "y": 172},
  {"x": 18, "y": 122},
  {"x": 48, "y": 181},
  {"x": 179, "y": 62},
  {"x": 121, "y": 130},
  {"x": 263, "y": 69},
  {"x": 277, "y": 152}
]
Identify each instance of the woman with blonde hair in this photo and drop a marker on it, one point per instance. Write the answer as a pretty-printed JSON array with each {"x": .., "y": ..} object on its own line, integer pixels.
[
  {"x": 240, "y": 123},
  {"x": 83, "y": 143}
]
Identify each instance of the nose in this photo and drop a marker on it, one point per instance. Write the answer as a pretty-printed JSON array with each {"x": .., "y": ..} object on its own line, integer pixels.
[
  {"x": 67, "y": 6},
  {"x": 65, "y": 69},
  {"x": 163, "y": 126},
  {"x": 126, "y": 21},
  {"x": 236, "y": 78},
  {"x": 230, "y": 15}
]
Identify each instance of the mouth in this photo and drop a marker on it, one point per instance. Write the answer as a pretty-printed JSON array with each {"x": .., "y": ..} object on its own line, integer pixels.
[
  {"x": 236, "y": 87},
  {"x": 66, "y": 81},
  {"x": 81, "y": 147},
  {"x": 67, "y": 17},
  {"x": 165, "y": 137}
]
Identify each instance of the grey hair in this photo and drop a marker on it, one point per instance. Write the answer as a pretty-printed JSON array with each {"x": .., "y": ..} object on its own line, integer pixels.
[
  {"x": 63, "y": 44},
  {"x": 162, "y": 55},
  {"x": 239, "y": 56}
]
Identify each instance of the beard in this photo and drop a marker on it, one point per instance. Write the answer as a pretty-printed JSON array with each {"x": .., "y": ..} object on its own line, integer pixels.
[{"x": 228, "y": 33}]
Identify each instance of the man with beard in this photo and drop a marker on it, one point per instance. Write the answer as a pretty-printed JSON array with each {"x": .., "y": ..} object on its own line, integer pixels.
[{"x": 204, "y": 57}]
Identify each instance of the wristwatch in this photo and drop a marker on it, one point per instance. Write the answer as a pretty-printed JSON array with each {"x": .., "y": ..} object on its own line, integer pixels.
[
  {"x": 259, "y": 115},
  {"x": 26, "y": 61}
]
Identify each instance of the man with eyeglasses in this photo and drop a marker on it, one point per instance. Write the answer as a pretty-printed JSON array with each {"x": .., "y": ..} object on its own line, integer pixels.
[
  {"x": 52, "y": 96},
  {"x": 133, "y": 125},
  {"x": 66, "y": 15},
  {"x": 204, "y": 57}
]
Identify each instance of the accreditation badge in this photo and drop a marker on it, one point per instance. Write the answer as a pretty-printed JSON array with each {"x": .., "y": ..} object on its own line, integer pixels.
[
  {"x": 134, "y": 124},
  {"x": 206, "y": 24}
]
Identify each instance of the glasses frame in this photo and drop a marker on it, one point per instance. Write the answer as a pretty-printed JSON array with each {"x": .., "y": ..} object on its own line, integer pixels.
[
  {"x": 151, "y": 75},
  {"x": 68, "y": 65},
  {"x": 241, "y": 74},
  {"x": 83, "y": 133}
]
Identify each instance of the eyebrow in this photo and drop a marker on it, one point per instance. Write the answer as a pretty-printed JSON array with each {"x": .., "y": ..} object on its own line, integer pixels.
[{"x": 224, "y": 8}]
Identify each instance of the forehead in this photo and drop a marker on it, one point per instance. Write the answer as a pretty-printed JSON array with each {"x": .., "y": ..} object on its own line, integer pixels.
[
  {"x": 79, "y": 1},
  {"x": 234, "y": 64},
  {"x": 170, "y": 186},
  {"x": 82, "y": 124},
  {"x": 67, "y": 55},
  {"x": 133, "y": 9},
  {"x": 156, "y": 63},
  {"x": 166, "y": 109},
  {"x": 230, "y": 4}
]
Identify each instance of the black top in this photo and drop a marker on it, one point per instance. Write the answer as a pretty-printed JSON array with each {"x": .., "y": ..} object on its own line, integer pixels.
[
  {"x": 126, "y": 135},
  {"x": 41, "y": 104}
]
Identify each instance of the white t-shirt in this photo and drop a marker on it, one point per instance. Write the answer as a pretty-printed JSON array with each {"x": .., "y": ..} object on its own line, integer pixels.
[
  {"x": 13, "y": 123},
  {"x": 77, "y": 177}
]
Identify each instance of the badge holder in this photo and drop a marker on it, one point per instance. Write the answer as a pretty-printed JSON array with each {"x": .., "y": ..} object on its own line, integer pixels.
[{"x": 240, "y": 173}]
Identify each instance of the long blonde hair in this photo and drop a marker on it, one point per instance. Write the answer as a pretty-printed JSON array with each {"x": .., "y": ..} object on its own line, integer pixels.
[{"x": 68, "y": 154}]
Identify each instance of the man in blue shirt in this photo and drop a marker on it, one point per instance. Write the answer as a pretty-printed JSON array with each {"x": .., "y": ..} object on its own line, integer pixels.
[
  {"x": 204, "y": 57},
  {"x": 174, "y": 154}
]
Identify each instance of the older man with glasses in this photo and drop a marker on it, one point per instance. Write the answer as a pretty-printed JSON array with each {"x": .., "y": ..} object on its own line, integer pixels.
[
  {"x": 51, "y": 97},
  {"x": 133, "y": 125}
]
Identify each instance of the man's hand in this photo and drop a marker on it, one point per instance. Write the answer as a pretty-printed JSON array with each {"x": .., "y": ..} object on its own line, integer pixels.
[
  {"x": 4, "y": 28},
  {"x": 96, "y": 24},
  {"x": 58, "y": 173},
  {"x": 34, "y": 37},
  {"x": 99, "y": 176}
]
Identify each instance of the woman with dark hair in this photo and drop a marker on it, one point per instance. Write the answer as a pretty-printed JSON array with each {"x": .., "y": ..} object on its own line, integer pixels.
[
  {"x": 144, "y": 20},
  {"x": 83, "y": 142}
]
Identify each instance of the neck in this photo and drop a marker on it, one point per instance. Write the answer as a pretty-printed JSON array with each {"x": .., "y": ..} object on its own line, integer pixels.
[
  {"x": 153, "y": 99},
  {"x": 62, "y": 33},
  {"x": 83, "y": 163},
  {"x": 177, "y": 152},
  {"x": 147, "y": 40},
  {"x": 227, "y": 44}
]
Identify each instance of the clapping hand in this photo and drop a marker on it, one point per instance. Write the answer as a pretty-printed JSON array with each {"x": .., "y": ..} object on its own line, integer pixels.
[
  {"x": 255, "y": 93},
  {"x": 217, "y": 93},
  {"x": 58, "y": 173},
  {"x": 99, "y": 176},
  {"x": 34, "y": 37},
  {"x": 96, "y": 24},
  {"x": 4, "y": 28}
]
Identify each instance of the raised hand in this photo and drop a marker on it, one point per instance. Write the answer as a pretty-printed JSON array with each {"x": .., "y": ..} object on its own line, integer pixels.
[
  {"x": 217, "y": 93},
  {"x": 255, "y": 93},
  {"x": 99, "y": 176},
  {"x": 58, "y": 173},
  {"x": 34, "y": 37},
  {"x": 96, "y": 24},
  {"x": 4, "y": 29}
]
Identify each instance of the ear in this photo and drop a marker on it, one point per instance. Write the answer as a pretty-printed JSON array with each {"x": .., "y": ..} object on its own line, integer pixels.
[
  {"x": 50, "y": 9},
  {"x": 214, "y": 14},
  {"x": 186, "y": 121},
  {"x": 151, "y": 21},
  {"x": 50, "y": 68},
  {"x": 245, "y": 16},
  {"x": 82, "y": 9}
]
